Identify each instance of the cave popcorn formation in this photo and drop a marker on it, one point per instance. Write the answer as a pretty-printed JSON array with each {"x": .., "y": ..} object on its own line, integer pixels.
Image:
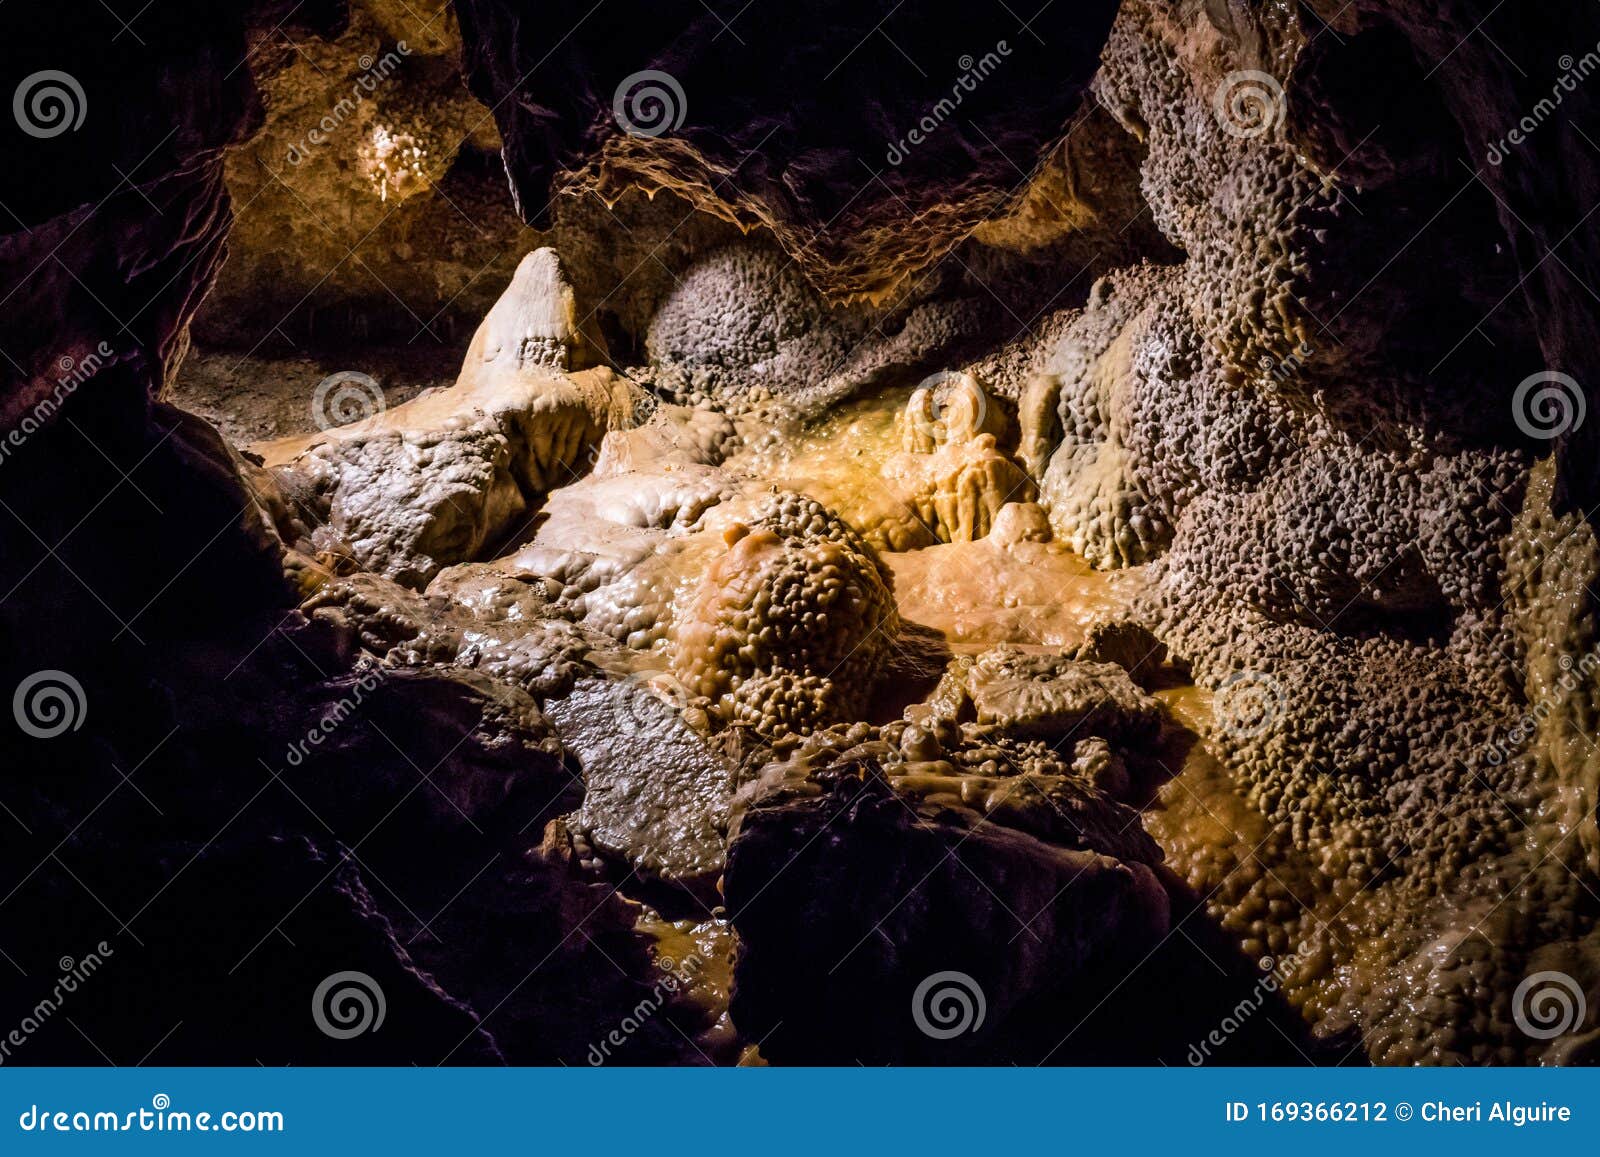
[
  {"x": 794, "y": 609},
  {"x": 705, "y": 602}
]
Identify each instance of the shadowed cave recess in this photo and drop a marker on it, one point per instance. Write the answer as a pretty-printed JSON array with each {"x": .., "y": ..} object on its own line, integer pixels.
[{"x": 719, "y": 533}]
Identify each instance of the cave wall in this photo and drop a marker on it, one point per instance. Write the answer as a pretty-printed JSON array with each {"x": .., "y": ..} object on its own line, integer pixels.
[
  {"x": 802, "y": 120},
  {"x": 120, "y": 226},
  {"x": 370, "y": 206},
  {"x": 166, "y": 809},
  {"x": 1318, "y": 422},
  {"x": 1317, "y": 415}
]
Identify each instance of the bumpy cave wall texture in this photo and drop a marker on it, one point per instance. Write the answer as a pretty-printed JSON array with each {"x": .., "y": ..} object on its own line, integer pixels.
[{"x": 722, "y": 533}]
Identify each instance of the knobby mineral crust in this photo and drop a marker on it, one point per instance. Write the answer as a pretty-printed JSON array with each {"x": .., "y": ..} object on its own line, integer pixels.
[{"x": 1095, "y": 554}]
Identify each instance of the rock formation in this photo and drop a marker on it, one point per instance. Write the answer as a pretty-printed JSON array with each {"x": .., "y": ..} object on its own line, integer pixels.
[{"x": 1002, "y": 595}]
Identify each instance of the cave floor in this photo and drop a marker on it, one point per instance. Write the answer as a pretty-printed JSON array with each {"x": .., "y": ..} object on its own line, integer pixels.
[
  {"x": 1011, "y": 587},
  {"x": 257, "y": 395}
]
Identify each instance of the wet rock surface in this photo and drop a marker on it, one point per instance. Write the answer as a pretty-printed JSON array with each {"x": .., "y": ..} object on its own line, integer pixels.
[
  {"x": 846, "y": 899},
  {"x": 1050, "y": 697},
  {"x": 436, "y": 480},
  {"x": 1157, "y": 607},
  {"x": 655, "y": 795}
]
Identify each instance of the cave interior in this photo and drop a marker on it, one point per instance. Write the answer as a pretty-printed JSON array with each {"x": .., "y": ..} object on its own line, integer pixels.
[{"x": 720, "y": 534}]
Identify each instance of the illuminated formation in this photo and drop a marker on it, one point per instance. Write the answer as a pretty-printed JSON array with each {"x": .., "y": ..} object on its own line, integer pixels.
[{"x": 1083, "y": 555}]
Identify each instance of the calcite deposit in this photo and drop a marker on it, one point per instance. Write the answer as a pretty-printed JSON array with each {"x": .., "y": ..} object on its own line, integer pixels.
[
  {"x": 1068, "y": 577},
  {"x": 433, "y": 481}
]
